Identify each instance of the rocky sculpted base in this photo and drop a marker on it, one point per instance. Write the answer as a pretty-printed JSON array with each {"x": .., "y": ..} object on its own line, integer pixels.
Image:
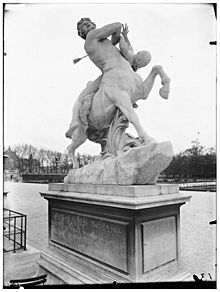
[{"x": 137, "y": 166}]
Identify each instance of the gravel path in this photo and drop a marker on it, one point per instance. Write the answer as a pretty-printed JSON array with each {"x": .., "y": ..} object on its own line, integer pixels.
[{"x": 198, "y": 237}]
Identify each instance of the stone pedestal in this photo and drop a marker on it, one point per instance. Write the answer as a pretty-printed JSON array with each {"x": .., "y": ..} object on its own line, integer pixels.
[{"x": 107, "y": 233}]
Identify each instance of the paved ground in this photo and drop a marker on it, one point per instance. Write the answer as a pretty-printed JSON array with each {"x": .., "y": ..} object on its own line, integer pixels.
[
  {"x": 25, "y": 198},
  {"x": 198, "y": 241},
  {"x": 198, "y": 237},
  {"x": 22, "y": 264}
]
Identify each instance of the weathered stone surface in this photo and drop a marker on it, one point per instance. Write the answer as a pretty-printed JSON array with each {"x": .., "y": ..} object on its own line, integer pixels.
[
  {"x": 117, "y": 190},
  {"x": 99, "y": 239},
  {"x": 102, "y": 236},
  {"x": 115, "y": 198},
  {"x": 117, "y": 89},
  {"x": 140, "y": 165},
  {"x": 159, "y": 242}
]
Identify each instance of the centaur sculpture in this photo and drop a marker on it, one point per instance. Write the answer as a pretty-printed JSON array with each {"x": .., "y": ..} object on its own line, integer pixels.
[{"x": 118, "y": 87}]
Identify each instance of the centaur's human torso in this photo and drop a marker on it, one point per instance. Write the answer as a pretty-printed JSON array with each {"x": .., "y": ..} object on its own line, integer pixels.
[{"x": 117, "y": 77}]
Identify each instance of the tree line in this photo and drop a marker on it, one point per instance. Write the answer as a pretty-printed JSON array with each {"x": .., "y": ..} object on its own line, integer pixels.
[
  {"x": 32, "y": 159},
  {"x": 193, "y": 163}
]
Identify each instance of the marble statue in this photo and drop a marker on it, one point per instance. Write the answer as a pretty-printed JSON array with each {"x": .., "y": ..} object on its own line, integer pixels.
[{"x": 105, "y": 107}]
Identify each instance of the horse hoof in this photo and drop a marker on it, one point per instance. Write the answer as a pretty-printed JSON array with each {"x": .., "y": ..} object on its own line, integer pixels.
[
  {"x": 68, "y": 134},
  {"x": 164, "y": 93}
]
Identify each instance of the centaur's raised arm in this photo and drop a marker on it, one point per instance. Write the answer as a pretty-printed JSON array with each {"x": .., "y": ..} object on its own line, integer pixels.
[
  {"x": 125, "y": 50},
  {"x": 113, "y": 29}
]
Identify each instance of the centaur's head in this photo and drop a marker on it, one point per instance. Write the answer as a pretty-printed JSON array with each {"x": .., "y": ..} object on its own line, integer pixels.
[{"x": 84, "y": 26}]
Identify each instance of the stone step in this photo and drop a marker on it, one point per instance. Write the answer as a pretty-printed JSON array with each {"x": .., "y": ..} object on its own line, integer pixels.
[
  {"x": 75, "y": 270},
  {"x": 178, "y": 275}
]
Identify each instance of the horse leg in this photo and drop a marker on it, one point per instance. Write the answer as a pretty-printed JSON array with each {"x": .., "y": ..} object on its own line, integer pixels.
[
  {"x": 122, "y": 100},
  {"x": 165, "y": 81},
  {"x": 78, "y": 138},
  {"x": 149, "y": 82},
  {"x": 75, "y": 123}
]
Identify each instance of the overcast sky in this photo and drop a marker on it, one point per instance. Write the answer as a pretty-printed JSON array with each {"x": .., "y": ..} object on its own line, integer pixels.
[{"x": 41, "y": 82}]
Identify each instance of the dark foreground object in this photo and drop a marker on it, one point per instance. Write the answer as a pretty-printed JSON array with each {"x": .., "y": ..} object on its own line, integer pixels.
[
  {"x": 29, "y": 282},
  {"x": 213, "y": 222},
  {"x": 161, "y": 285}
]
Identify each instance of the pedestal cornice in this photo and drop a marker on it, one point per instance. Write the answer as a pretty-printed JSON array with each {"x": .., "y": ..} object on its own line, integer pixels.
[{"x": 128, "y": 197}]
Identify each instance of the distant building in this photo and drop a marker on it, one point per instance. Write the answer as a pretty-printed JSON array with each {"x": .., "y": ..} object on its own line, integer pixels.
[
  {"x": 11, "y": 165},
  {"x": 15, "y": 166}
]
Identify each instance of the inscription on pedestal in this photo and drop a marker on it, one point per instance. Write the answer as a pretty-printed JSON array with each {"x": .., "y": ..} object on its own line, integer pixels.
[
  {"x": 159, "y": 242},
  {"x": 102, "y": 239}
]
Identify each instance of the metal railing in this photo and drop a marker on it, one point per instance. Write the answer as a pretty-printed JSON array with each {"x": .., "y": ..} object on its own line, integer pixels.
[
  {"x": 198, "y": 186},
  {"x": 15, "y": 228}
]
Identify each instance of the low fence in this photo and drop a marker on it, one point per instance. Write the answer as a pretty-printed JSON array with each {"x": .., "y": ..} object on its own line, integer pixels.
[
  {"x": 199, "y": 186},
  {"x": 42, "y": 178},
  {"x": 204, "y": 183},
  {"x": 15, "y": 230}
]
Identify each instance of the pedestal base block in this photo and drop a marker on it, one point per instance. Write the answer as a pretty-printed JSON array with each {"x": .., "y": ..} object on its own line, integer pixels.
[{"x": 101, "y": 237}]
